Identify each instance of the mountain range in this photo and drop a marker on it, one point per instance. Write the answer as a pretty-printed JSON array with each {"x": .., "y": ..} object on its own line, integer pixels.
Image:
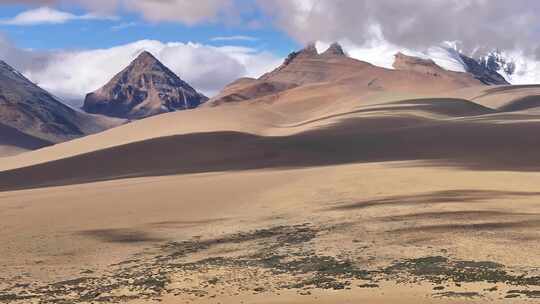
[{"x": 32, "y": 118}]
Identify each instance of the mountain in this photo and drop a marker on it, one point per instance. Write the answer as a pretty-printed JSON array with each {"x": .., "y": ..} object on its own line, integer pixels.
[
  {"x": 308, "y": 67},
  {"x": 31, "y": 118},
  {"x": 485, "y": 71},
  {"x": 489, "y": 70},
  {"x": 145, "y": 88}
]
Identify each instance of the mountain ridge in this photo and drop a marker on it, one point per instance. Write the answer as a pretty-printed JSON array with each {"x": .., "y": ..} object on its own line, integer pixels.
[
  {"x": 26, "y": 108},
  {"x": 333, "y": 65}
]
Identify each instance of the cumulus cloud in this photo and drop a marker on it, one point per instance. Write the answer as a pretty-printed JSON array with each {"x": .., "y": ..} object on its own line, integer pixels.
[
  {"x": 72, "y": 74},
  {"x": 186, "y": 11},
  {"x": 20, "y": 58},
  {"x": 46, "y": 15},
  {"x": 92, "y": 5},
  {"x": 412, "y": 23}
]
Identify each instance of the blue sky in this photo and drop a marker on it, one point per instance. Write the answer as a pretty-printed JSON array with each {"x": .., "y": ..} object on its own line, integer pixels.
[{"x": 129, "y": 27}]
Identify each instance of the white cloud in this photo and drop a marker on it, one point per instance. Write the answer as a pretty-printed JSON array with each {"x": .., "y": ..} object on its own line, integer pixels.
[
  {"x": 123, "y": 25},
  {"x": 235, "y": 38},
  {"x": 47, "y": 15},
  {"x": 189, "y": 12},
  {"x": 412, "y": 23},
  {"x": 73, "y": 74}
]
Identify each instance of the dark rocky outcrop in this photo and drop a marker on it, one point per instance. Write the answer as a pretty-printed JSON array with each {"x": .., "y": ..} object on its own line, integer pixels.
[
  {"x": 335, "y": 49},
  {"x": 483, "y": 73},
  {"x": 28, "y": 109}
]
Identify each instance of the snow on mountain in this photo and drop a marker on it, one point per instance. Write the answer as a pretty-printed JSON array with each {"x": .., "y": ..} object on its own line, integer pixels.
[
  {"x": 492, "y": 68},
  {"x": 381, "y": 53},
  {"x": 515, "y": 66}
]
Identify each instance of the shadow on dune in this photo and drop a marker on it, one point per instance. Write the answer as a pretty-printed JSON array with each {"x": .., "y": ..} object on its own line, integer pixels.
[
  {"x": 452, "y": 107},
  {"x": 472, "y": 227},
  {"x": 521, "y": 104},
  {"x": 505, "y": 89},
  {"x": 456, "y": 143},
  {"x": 438, "y": 197},
  {"x": 13, "y": 137},
  {"x": 120, "y": 236},
  {"x": 456, "y": 215}
]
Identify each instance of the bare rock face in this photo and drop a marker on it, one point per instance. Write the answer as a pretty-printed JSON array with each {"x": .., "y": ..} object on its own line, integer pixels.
[
  {"x": 410, "y": 63},
  {"x": 482, "y": 73},
  {"x": 428, "y": 66},
  {"x": 145, "y": 88},
  {"x": 28, "y": 110}
]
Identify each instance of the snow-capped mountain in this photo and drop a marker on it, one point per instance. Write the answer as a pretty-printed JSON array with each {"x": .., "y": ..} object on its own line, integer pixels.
[
  {"x": 497, "y": 61},
  {"x": 494, "y": 68}
]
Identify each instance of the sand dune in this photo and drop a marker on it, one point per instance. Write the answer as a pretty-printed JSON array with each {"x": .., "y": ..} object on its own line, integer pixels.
[
  {"x": 497, "y": 97},
  {"x": 435, "y": 130},
  {"x": 312, "y": 125}
]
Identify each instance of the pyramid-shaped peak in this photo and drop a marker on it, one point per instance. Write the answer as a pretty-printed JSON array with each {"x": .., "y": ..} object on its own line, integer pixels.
[
  {"x": 335, "y": 49},
  {"x": 144, "y": 63},
  {"x": 145, "y": 88},
  {"x": 146, "y": 58},
  {"x": 146, "y": 54}
]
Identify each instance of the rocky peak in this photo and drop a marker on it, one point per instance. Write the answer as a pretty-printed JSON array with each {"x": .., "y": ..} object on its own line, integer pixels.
[
  {"x": 483, "y": 72},
  {"x": 145, "y": 88},
  {"x": 335, "y": 49},
  {"x": 410, "y": 63},
  {"x": 405, "y": 62},
  {"x": 309, "y": 50},
  {"x": 145, "y": 55},
  {"x": 145, "y": 59}
]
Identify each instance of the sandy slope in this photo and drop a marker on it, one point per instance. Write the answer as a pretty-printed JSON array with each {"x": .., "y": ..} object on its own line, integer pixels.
[
  {"x": 326, "y": 187},
  {"x": 497, "y": 97}
]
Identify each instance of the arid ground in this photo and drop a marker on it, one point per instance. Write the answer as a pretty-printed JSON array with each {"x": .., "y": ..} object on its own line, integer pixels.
[{"x": 375, "y": 197}]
